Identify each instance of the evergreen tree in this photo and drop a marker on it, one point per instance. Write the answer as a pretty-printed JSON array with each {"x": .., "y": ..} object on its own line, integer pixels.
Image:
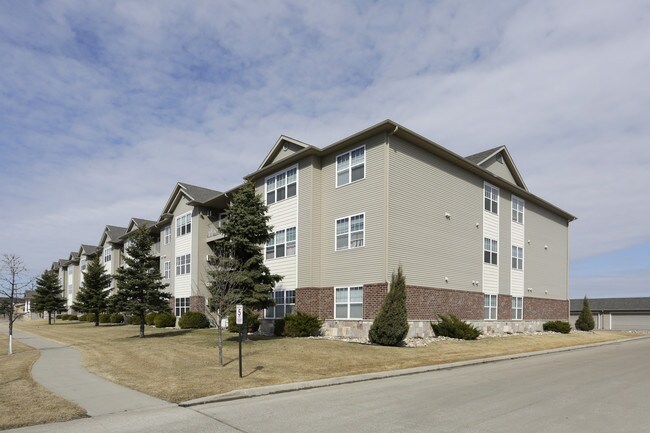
[
  {"x": 93, "y": 294},
  {"x": 49, "y": 296},
  {"x": 245, "y": 231},
  {"x": 139, "y": 283},
  {"x": 390, "y": 327},
  {"x": 585, "y": 321}
]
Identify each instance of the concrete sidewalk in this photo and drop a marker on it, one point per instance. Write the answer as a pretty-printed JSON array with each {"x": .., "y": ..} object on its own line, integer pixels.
[{"x": 59, "y": 369}]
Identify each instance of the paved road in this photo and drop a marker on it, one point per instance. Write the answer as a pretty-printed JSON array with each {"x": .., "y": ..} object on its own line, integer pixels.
[{"x": 602, "y": 389}]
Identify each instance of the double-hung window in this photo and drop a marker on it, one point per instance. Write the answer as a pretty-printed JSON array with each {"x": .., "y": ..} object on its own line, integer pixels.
[
  {"x": 107, "y": 254},
  {"x": 183, "y": 264},
  {"x": 490, "y": 251},
  {"x": 517, "y": 308},
  {"x": 167, "y": 235},
  {"x": 285, "y": 301},
  {"x": 166, "y": 269},
  {"x": 282, "y": 244},
  {"x": 184, "y": 224},
  {"x": 351, "y": 166},
  {"x": 350, "y": 232},
  {"x": 348, "y": 302},
  {"x": 281, "y": 186},
  {"x": 182, "y": 306},
  {"x": 491, "y": 198},
  {"x": 517, "y": 258},
  {"x": 490, "y": 307},
  {"x": 517, "y": 210}
]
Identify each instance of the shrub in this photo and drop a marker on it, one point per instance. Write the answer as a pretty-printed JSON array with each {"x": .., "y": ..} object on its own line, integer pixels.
[
  {"x": 150, "y": 318},
  {"x": 193, "y": 320},
  {"x": 104, "y": 318},
  {"x": 585, "y": 321},
  {"x": 452, "y": 327},
  {"x": 251, "y": 319},
  {"x": 278, "y": 327},
  {"x": 557, "y": 326},
  {"x": 134, "y": 319},
  {"x": 117, "y": 318},
  {"x": 391, "y": 326},
  {"x": 73, "y": 317},
  {"x": 165, "y": 320},
  {"x": 60, "y": 317},
  {"x": 301, "y": 325}
]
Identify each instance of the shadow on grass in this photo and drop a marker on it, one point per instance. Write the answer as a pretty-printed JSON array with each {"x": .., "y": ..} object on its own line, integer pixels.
[
  {"x": 253, "y": 337},
  {"x": 255, "y": 370},
  {"x": 163, "y": 334}
]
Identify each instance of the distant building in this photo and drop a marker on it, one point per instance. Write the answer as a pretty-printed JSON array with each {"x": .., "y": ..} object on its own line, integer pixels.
[{"x": 616, "y": 313}]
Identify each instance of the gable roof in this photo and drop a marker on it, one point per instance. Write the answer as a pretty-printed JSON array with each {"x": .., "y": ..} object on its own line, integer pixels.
[
  {"x": 112, "y": 234},
  {"x": 197, "y": 195},
  {"x": 482, "y": 158},
  {"x": 280, "y": 144},
  {"x": 134, "y": 224},
  {"x": 613, "y": 304}
]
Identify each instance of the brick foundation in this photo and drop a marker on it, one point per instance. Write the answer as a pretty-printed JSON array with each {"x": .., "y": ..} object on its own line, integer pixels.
[
  {"x": 545, "y": 309},
  {"x": 504, "y": 307},
  {"x": 197, "y": 303},
  {"x": 316, "y": 300},
  {"x": 427, "y": 303},
  {"x": 373, "y": 298}
]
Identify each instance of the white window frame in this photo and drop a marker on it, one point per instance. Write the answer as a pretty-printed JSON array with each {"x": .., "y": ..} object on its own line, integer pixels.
[
  {"x": 491, "y": 198},
  {"x": 184, "y": 224},
  {"x": 517, "y": 258},
  {"x": 108, "y": 254},
  {"x": 349, "y": 232},
  {"x": 285, "y": 303},
  {"x": 490, "y": 305},
  {"x": 340, "y": 169},
  {"x": 183, "y": 264},
  {"x": 490, "y": 251},
  {"x": 282, "y": 244},
  {"x": 347, "y": 303},
  {"x": 167, "y": 235},
  {"x": 166, "y": 269},
  {"x": 518, "y": 206},
  {"x": 182, "y": 306},
  {"x": 283, "y": 184},
  {"x": 517, "y": 308}
]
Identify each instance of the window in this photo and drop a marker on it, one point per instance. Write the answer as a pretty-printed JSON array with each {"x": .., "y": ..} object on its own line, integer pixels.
[
  {"x": 348, "y": 303},
  {"x": 283, "y": 244},
  {"x": 491, "y": 199},
  {"x": 107, "y": 254},
  {"x": 350, "y": 232},
  {"x": 281, "y": 186},
  {"x": 166, "y": 270},
  {"x": 167, "y": 235},
  {"x": 517, "y": 258},
  {"x": 182, "y": 306},
  {"x": 490, "y": 307},
  {"x": 517, "y": 210},
  {"x": 183, "y": 264},
  {"x": 351, "y": 166},
  {"x": 285, "y": 301},
  {"x": 490, "y": 251},
  {"x": 184, "y": 224},
  {"x": 517, "y": 308}
]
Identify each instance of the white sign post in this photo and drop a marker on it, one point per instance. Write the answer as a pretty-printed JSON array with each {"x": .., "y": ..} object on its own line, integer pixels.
[
  {"x": 239, "y": 317},
  {"x": 239, "y": 320}
]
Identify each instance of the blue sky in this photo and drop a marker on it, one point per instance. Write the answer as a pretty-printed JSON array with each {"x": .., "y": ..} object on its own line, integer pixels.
[{"x": 99, "y": 95}]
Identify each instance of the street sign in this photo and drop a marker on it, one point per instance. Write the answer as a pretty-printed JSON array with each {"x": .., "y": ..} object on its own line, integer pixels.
[{"x": 239, "y": 316}]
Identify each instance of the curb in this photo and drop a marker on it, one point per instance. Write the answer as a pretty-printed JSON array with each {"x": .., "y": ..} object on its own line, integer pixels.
[{"x": 322, "y": 383}]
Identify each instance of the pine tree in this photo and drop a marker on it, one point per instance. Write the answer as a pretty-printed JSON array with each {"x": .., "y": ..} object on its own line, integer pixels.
[
  {"x": 49, "y": 296},
  {"x": 390, "y": 327},
  {"x": 245, "y": 231},
  {"x": 585, "y": 320},
  {"x": 93, "y": 294},
  {"x": 139, "y": 284}
]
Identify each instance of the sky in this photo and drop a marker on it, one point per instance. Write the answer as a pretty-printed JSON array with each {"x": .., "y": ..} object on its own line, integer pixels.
[{"x": 105, "y": 105}]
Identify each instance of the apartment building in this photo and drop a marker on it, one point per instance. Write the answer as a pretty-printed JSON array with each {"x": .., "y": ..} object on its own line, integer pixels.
[{"x": 110, "y": 249}]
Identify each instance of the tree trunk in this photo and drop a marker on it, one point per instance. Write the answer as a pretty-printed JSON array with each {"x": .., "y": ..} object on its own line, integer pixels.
[
  {"x": 11, "y": 335},
  {"x": 96, "y": 318},
  {"x": 142, "y": 326},
  {"x": 220, "y": 343},
  {"x": 49, "y": 317}
]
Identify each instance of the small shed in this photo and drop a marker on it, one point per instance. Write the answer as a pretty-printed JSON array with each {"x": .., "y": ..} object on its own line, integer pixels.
[{"x": 619, "y": 314}]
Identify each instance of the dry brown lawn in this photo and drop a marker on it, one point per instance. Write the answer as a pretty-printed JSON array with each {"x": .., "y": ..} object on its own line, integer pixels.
[
  {"x": 23, "y": 402},
  {"x": 178, "y": 365}
]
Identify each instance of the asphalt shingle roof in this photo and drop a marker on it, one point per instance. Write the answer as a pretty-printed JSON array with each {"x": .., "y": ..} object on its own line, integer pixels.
[
  {"x": 200, "y": 194},
  {"x": 613, "y": 304},
  {"x": 478, "y": 157}
]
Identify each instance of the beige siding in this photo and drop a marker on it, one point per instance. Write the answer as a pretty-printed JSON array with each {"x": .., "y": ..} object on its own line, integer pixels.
[
  {"x": 505, "y": 241},
  {"x": 355, "y": 265},
  {"x": 499, "y": 168},
  {"x": 183, "y": 245},
  {"x": 167, "y": 254},
  {"x": 309, "y": 223},
  {"x": 517, "y": 239},
  {"x": 546, "y": 268},
  {"x": 200, "y": 250},
  {"x": 286, "y": 151},
  {"x": 430, "y": 246}
]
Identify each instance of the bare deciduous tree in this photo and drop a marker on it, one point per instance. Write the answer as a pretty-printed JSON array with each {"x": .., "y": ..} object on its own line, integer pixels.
[{"x": 12, "y": 285}]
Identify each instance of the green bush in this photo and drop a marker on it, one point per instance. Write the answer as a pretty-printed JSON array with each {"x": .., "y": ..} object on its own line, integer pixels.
[
  {"x": 104, "y": 318},
  {"x": 60, "y": 317},
  {"x": 193, "y": 320},
  {"x": 165, "y": 320},
  {"x": 251, "y": 319},
  {"x": 73, "y": 317},
  {"x": 84, "y": 318},
  {"x": 301, "y": 325},
  {"x": 391, "y": 326},
  {"x": 150, "y": 318},
  {"x": 585, "y": 321},
  {"x": 278, "y": 327},
  {"x": 452, "y": 327},
  {"x": 557, "y": 326},
  {"x": 117, "y": 318},
  {"x": 134, "y": 319}
]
